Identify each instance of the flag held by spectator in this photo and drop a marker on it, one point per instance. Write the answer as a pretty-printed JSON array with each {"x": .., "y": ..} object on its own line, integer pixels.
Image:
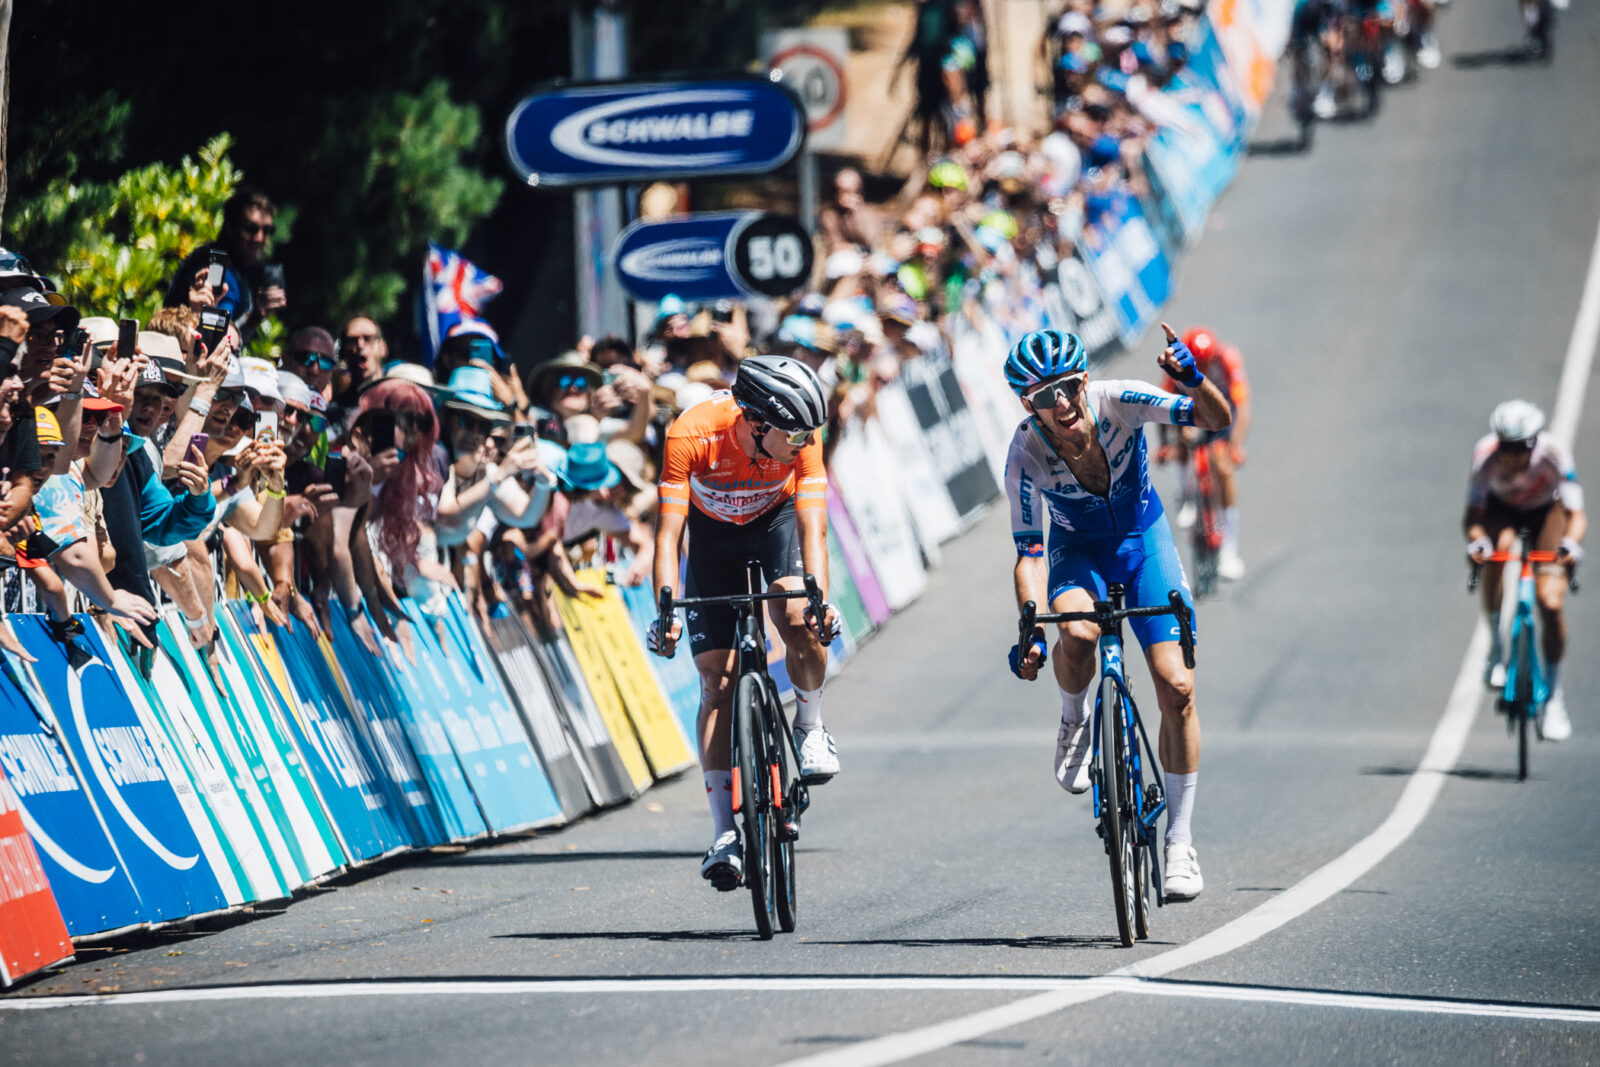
[{"x": 453, "y": 289}]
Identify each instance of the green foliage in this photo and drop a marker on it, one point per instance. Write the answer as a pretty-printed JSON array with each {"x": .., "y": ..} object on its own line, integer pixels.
[
  {"x": 114, "y": 246},
  {"x": 394, "y": 173}
]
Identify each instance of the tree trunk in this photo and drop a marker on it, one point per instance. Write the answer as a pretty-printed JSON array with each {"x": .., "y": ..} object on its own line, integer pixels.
[{"x": 5, "y": 101}]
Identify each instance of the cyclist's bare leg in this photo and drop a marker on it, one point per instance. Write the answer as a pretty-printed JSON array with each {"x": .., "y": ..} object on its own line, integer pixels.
[
  {"x": 1073, "y": 657},
  {"x": 1492, "y": 581},
  {"x": 1550, "y": 587},
  {"x": 1179, "y": 742},
  {"x": 716, "y": 708},
  {"x": 805, "y": 659},
  {"x": 1222, "y": 463}
]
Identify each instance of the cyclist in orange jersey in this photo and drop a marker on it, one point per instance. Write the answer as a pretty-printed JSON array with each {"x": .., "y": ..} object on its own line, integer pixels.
[{"x": 743, "y": 473}]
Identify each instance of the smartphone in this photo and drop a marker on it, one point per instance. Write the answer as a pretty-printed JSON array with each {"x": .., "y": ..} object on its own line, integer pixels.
[
  {"x": 333, "y": 470},
  {"x": 272, "y": 276},
  {"x": 213, "y": 327},
  {"x": 127, "y": 340},
  {"x": 380, "y": 431},
  {"x": 74, "y": 345},
  {"x": 200, "y": 441},
  {"x": 216, "y": 268},
  {"x": 524, "y": 429},
  {"x": 266, "y": 426}
]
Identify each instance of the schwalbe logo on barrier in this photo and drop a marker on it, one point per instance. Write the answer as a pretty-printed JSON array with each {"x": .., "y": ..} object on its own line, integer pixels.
[{"x": 606, "y": 133}]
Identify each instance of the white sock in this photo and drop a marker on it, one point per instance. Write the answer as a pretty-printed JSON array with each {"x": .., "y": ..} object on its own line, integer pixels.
[
  {"x": 1230, "y": 528},
  {"x": 1074, "y": 706},
  {"x": 807, "y": 708},
  {"x": 1185, "y": 482},
  {"x": 719, "y": 791},
  {"x": 1496, "y": 653},
  {"x": 1180, "y": 803}
]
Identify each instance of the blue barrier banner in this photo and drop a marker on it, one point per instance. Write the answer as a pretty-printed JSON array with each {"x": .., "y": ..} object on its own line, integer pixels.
[
  {"x": 678, "y": 678},
  {"x": 615, "y": 132},
  {"x": 369, "y": 691},
  {"x": 1127, "y": 261},
  {"x": 342, "y": 765},
  {"x": 1197, "y": 154},
  {"x": 488, "y": 737},
  {"x": 130, "y": 786},
  {"x": 85, "y": 873}
]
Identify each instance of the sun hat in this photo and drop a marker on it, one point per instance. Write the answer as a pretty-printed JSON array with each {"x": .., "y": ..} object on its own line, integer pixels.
[
  {"x": 588, "y": 467},
  {"x": 294, "y": 390},
  {"x": 415, "y": 373},
  {"x": 566, "y": 362},
  {"x": 472, "y": 391},
  {"x": 628, "y": 459},
  {"x": 261, "y": 378},
  {"x": 479, "y": 328}
]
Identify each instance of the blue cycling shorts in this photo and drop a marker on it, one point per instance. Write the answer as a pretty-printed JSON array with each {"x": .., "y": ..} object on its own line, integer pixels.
[{"x": 1146, "y": 564}]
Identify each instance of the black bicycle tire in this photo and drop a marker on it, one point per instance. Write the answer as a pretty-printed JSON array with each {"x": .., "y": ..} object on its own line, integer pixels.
[
  {"x": 786, "y": 904},
  {"x": 1143, "y": 868},
  {"x": 1112, "y": 786},
  {"x": 749, "y": 765},
  {"x": 1523, "y": 697}
]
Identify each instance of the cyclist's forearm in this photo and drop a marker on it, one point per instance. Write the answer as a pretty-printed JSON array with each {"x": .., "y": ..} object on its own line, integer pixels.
[
  {"x": 814, "y": 547},
  {"x": 1577, "y": 524},
  {"x": 669, "y": 533},
  {"x": 1211, "y": 410},
  {"x": 1472, "y": 525},
  {"x": 1030, "y": 576}
]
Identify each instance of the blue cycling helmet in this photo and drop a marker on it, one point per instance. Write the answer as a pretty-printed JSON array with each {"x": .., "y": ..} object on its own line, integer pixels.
[{"x": 1042, "y": 355}]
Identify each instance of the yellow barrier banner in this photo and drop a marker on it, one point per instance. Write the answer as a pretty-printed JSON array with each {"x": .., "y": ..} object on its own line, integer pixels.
[
  {"x": 665, "y": 745},
  {"x": 583, "y": 631}
]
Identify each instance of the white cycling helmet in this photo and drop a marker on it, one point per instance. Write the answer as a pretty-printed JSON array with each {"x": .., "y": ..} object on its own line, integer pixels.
[{"x": 1517, "y": 422}]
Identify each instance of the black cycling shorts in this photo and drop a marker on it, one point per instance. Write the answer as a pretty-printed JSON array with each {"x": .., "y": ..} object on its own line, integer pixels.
[{"x": 718, "y": 552}]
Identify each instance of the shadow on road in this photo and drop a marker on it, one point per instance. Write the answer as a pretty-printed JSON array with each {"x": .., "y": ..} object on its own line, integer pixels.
[
  {"x": 1281, "y": 146},
  {"x": 635, "y": 935},
  {"x": 1468, "y": 773},
  {"x": 1041, "y": 941},
  {"x": 479, "y": 859},
  {"x": 1519, "y": 56}
]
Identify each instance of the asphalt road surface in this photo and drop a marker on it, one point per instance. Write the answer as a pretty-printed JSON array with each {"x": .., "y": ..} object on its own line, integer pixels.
[{"x": 1387, "y": 289}]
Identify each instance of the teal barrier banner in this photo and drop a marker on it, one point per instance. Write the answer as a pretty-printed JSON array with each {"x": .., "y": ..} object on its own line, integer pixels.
[
  {"x": 342, "y": 764},
  {"x": 677, "y": 676},
  {"x": 93, "y": 891},
  {"x": 132, "y": 788}
]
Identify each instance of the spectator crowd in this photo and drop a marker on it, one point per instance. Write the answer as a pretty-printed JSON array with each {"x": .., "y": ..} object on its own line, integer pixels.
[{"x": 149, "y": 463}]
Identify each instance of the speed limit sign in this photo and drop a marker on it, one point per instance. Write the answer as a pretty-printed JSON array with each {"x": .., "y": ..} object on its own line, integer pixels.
[
  {"x": 772, "y": 254},
  {"x": 812, "y": 64}
]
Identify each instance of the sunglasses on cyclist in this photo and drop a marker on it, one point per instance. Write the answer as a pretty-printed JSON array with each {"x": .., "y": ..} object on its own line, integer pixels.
[
  {"x": 570, "y": 381},
  {"x": 798, "y": 438},
  {"x": 313, "y": 359},
  {"x": 1046, "y": 395}
]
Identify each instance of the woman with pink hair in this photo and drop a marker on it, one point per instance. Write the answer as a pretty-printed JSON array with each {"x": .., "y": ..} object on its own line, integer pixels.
[{"x": 406, "y": 488}]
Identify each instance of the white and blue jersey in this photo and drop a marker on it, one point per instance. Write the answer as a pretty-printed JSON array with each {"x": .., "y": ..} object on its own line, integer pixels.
[{"x": 1120, "y": 537}]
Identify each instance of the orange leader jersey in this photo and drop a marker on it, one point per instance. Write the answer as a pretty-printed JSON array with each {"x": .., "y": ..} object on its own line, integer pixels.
[{"x": 704, "y": 463}]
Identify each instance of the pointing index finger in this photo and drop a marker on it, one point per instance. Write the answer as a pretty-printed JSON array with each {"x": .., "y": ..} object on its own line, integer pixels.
[{"x": 1171, "y": 333}]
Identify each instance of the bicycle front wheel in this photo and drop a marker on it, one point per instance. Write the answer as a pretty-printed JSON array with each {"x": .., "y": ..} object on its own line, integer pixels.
[
  {"x": 1522, "y": 706},
  {"x": 783, "y": 895},
  {"x": 1115, "y": 813},
  {"x": 753, "y": 791}
]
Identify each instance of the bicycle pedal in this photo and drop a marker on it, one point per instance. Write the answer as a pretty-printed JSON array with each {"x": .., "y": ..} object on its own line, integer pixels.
[
  {"x": 789, "y": 829},
  {"x": 799, "y": 800}
]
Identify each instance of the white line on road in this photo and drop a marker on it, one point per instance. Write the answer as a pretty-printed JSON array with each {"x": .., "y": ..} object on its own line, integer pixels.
[
  {"x": 1580, "y": 355},
  {"x": 1086, "y": 988}
]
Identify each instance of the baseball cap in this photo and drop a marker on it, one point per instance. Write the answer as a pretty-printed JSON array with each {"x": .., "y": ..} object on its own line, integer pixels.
[
  {"x": 93, "y": 401},
  {"x": 39, "y": 308},
  {"x": 294, "y": 390},
  {"x": 153, "y": 374},
  {"x": 48, "y": 427}
]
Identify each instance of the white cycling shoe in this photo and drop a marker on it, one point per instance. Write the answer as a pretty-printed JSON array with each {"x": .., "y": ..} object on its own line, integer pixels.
[
  {"x": 1554, "y": 724},
  {"x": 1072, "y": 756},
  {"x": 723, "y": 866},
  {"x": 1187, "y": 514},
  {"x": 1182, "y": 879},
  {"x": 819, "y": 757},
  {"x": 1229, "y": 566},
  {"x": 1494, "y": 673}
]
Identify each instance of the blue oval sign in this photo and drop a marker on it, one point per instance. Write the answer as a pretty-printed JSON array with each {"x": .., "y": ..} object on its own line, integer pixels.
[
  {"x": 720, "y": 254},
  {"x": 612, "y": 132}
]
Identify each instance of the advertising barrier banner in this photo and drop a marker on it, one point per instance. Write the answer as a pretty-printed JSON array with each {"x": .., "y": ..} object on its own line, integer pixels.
[
  {"x": 124, "y": 772},
  {"x": 589, "y": 653},
  {"x": 842, "y": 531},
  {"x": 951, "y": 431},
  {"x": 530, "y": 691},
  {"x": 75, "y": 851},
  {"x": 886, "y": 533},
  {"x": 32, "y": 932},
  {"x": 678, "y": 678},
  {"x": 610, "y": 777},
  {"x": 1130, "y": 266}
]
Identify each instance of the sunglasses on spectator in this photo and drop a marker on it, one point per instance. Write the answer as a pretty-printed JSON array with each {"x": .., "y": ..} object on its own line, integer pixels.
[
  {"x": 252, "y": 228},
  {"x": 227, "y": 396},
  {"x": 300, "y": 414},
  {"x": 313, "y": 359},
  {"x": 1046, "y": 395},
  {"x": 473, "y": 425},
  {"x": 567, "y": 382},
  {"x": 500, "y": 441},
  {"x": 93, "y": 416}
]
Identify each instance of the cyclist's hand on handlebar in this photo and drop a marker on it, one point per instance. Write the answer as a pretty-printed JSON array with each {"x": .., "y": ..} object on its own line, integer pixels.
[
  {"x": 1025, "y": 665},
  {"x": 663, "y": 646},
  {"x": 1479, "y": 550},
  {"x": 1570, "y": 552},
  {"x": 828, "y": 632}
]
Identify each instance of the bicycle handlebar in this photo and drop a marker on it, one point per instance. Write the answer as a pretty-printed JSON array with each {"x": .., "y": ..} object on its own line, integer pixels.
[
  {"x": 1106, "y": 617},
  {"x": 812, "y": 593},
  {"x": 1512, "y": 557}
]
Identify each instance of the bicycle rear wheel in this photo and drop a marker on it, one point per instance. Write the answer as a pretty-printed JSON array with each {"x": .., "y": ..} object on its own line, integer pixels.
[
  {"x": 752, "y": 792},
  {"x": 785, "y": 904},
  {"x": 1114, "y": 810},
  {"x": 1143, "y": 837}
]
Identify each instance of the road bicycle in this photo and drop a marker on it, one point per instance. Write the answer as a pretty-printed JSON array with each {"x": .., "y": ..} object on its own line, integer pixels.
[
  {"x": 1522, "y": 698},
  {"x": 1123, "y": 770},
  {"x": 1539, "y": 18},
  {"x": 768, "y": 795},
  {"x": 1206, "y": 535}
]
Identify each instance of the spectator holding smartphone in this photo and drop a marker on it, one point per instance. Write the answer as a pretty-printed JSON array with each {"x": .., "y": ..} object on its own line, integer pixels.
[{"x": 247, "y": 226}]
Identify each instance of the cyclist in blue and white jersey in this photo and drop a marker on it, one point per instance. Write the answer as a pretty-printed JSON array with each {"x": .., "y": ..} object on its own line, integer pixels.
[{"x": 1078, "y": 463}]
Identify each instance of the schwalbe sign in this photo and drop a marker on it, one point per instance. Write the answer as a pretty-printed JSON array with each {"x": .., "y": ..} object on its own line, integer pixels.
[{"x": 605, "y": 133}]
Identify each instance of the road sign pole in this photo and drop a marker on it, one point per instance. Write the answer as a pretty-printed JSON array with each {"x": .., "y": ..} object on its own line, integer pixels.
[
  {"x": 599, "y": 52},
  {"x": 808, "y": 190}
]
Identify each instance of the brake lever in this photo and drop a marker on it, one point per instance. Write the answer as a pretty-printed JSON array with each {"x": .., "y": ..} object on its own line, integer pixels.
[
  {"x": 818, "y": 608},
  {"x": 1025, "y": 625},
  {"x": 1472, "y": 578},
  {"x": 1185, "y": 627}
]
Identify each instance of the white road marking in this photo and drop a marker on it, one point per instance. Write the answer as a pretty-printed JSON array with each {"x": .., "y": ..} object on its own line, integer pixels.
[
  {"x": 1580, "y": 355},
  {"x": 1070, "y": 990}
]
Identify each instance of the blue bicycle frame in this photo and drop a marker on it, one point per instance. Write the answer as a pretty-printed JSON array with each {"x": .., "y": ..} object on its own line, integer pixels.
[{"x": 1130, "y": 727}]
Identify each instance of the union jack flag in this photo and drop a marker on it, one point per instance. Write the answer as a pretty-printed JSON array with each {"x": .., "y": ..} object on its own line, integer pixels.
[{"x": 453, "y": 289}]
